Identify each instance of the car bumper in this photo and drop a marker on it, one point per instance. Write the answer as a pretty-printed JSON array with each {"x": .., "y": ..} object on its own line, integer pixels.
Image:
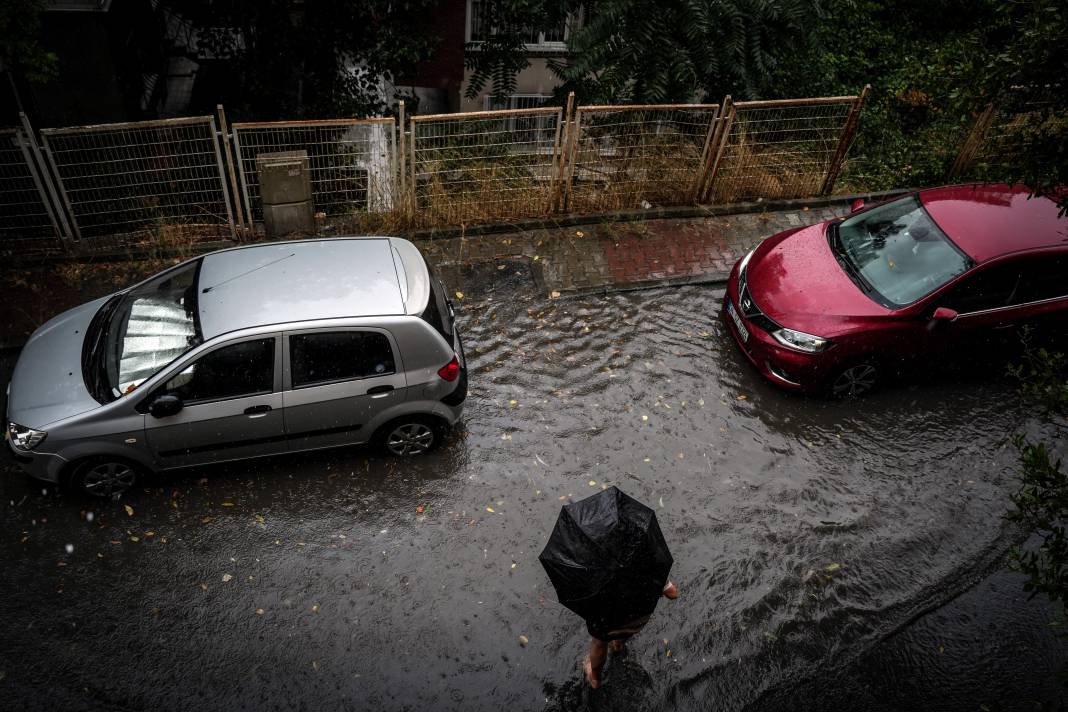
[
  {"x": 786, "y": 368},
  {"x": 39, "y": 465}
]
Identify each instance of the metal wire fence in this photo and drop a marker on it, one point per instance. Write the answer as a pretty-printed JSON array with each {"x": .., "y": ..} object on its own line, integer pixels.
[
  {"x": 352, "y": 161},
  {"x": 24, "y": 213},
  {"x": 485, "y": 165},
  {"x": 623, "y": 156},
  {"x": 144, "y": 180},
  {"x": 780, "y": 149}
]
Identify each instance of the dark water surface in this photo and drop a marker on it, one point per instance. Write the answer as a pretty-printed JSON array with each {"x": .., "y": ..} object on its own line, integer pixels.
[{"x": 804, "y": 532}]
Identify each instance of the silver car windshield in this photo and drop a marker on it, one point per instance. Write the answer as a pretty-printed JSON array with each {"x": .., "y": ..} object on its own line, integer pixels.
[
  {"x": 898, "y": 251},
  {"x": 152, "y": 326}
]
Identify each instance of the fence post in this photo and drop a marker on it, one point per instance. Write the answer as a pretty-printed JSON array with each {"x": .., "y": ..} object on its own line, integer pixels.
[
  {"x": 846, "y": 140},
  {"x": 411, "y": 159},
  {"x": 970, "y": 148},
  {"x": 398, "y": 149},
  {"x": 560, "y": 152},
  {"x": 711, "y": 144},
  {"x": 570, "y": 148},
  {"x": 32, "y": 155},
  {"x": 719, "y": 143},
  {"x": 238, "y": 205},
  {"x": 76, "y": 231},
  {"x": 222, "y": 177}
]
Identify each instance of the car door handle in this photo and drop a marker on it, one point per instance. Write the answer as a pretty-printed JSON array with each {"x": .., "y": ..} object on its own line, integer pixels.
[
  {"x": 379, "y": 391},
  {"x": 257, "y": 411}
]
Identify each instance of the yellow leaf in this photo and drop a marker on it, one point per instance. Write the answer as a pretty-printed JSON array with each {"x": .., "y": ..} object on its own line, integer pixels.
[
  {"x": 133, "y": 538},
  {"x": 536, "y": 258},
  {"x": 554, "y": 294},
  {"x": 743, "y": 397},
  {"x": 228, "y": 504},
  {"x": 645, "y": 417},
  {"x": 259, "y": 611},
  {"x": 523, "y": 640},
  {"x": 579, "y": 233},
  {"x": 226, "y": 577},
  {"x": 513, "y": 402},
  {"x": 490, "y": 510},
  {"x": 129, "y": 510},
  {"x": 832, "y": 567},
  {"x": 593, "y": 483},
  {"x": 459, "y": 295}
]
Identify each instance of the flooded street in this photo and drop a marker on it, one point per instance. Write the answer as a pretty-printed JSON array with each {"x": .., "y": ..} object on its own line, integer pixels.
[{"x": 804, "y": 533}]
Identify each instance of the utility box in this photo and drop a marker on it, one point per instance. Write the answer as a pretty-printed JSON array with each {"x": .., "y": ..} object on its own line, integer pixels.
[{"x": 285, "y": 193}]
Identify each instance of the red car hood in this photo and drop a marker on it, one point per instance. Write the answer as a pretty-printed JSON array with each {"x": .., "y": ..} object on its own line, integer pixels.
[{"x": 797, "y": 282}]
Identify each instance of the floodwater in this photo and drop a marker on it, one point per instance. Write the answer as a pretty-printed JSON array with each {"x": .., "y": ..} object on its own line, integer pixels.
[{"x": 804, "y": 532}]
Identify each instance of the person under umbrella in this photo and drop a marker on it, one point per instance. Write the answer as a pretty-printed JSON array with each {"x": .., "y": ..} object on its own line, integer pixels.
[{"x": 609, "y": 563}]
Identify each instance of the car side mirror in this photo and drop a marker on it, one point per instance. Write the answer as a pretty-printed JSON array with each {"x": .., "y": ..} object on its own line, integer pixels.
[
  {"x": 165, "y": 405},
  {"x": 858, "y": 204},
  {"x": 944, "y": 314}
]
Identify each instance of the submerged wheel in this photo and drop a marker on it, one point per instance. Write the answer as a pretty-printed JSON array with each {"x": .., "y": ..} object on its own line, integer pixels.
[
  {"x": 856, "y": 380},
  {"x": 105, "y": 477},
  {"x": 408, "y": 437}
]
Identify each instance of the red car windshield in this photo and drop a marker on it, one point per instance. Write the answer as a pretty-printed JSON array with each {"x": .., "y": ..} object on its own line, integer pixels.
[{"x": 897, "y": 252}]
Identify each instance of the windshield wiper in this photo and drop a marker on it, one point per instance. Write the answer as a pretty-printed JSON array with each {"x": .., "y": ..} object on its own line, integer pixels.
[
  {"x": 93, "y": 370},
  {"x": 838, "y": 250}
]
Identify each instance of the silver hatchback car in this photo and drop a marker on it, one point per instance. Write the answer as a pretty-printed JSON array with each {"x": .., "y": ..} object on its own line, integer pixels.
[{"x": 240, "y": 353}]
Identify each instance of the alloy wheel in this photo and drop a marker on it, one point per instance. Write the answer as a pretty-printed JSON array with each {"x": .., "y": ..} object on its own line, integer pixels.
[
  {"x": 108, "y": 478},
  {"x": 410, "y": 439},
  {"x": 855, "y": 380}
]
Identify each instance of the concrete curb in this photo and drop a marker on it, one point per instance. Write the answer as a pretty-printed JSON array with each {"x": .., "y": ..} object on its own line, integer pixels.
[{"x": 569, "y": 220}]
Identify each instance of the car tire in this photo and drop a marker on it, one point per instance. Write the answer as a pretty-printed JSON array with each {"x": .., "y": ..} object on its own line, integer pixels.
[
  {"x": 105, "y": 476},
  {"x": 410, "y": 436},
  {"x": 855, "y": 380}
]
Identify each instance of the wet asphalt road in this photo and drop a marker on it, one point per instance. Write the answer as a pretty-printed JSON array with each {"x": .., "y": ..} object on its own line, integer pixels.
[{"x": 806, "y": 535}]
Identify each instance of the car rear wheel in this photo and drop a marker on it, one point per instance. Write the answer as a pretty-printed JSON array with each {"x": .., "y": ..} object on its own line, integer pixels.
[
  {"x": 409, "y": 437},
  {"x": 855, "y": 380},
  {"x": 105, "y": 477}
]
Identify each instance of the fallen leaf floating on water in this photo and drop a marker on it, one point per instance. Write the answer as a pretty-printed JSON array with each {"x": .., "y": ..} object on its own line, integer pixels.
[
  {"x": 490, "y": 510},
  {"x": 743, "y": 397},
  {"x": 259, "y": 611},
  {"x": 645, "y": 417},
  {"x": 523, "y": 640},
  {"x": 226, "y": 577},
  {"x": 834, "y": 566},
  {"x": 228, "y": 504},
  {"x": 129, "y": 510},
  {"x": 593, "y": 483},
  {"x": 459, "y": 295}
]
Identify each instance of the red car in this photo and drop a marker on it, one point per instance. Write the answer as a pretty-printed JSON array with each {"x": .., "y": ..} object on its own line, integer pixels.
[{"x": 837, "y": 306}]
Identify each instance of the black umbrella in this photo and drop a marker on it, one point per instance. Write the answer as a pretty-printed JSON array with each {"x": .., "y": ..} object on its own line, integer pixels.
[{"x": 607, "y": 558}]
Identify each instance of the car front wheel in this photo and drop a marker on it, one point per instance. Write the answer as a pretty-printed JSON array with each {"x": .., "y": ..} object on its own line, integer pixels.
[
  {"x": 855, "y": 380},
  {"x": 105, "y": 477}
]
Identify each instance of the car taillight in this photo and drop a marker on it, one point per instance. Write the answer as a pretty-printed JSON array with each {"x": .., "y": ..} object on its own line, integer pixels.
[{"x": 450, "y": 371}]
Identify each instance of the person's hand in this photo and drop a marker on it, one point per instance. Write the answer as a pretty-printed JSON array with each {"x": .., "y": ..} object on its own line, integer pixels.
[{"x": 671, "y": 591}]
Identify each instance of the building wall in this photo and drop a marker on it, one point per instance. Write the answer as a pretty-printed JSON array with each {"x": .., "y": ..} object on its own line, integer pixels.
[{"x": 537, "y": 79}]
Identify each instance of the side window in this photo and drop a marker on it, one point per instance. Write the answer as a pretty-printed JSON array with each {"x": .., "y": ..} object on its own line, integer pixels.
[
  {"x": 243, "y": 369},
  {"x": 339, "y": 356},
  {"x": 1043, "y": 278},
  {"x": 992, "y": 288}
]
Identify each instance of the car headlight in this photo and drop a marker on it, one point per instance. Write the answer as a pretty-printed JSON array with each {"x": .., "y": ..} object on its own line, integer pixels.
[
  {"x": 800, "y": 341},
  {"x": 24, "y": 438},
  {"x": 745, "y": 261}
]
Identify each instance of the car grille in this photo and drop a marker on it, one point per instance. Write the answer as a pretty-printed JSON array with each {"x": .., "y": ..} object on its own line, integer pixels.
[{"x": 749, "y": 309}]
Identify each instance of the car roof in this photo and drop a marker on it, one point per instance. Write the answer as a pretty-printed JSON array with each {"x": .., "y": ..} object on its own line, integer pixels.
[
  {"x": 283, "y": 282},
  {"x": 991, "y": 220}
]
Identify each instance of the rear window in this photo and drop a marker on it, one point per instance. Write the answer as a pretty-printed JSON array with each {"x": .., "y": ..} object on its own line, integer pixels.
[
  {"x": 339, "y": 356},
  {"x": 437, "y": 309}
]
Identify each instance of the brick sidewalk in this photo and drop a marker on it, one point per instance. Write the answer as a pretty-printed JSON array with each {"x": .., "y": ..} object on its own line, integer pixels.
[
  {"x": 628, "y": 254},
  {"x": 589, "y": 258}
]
